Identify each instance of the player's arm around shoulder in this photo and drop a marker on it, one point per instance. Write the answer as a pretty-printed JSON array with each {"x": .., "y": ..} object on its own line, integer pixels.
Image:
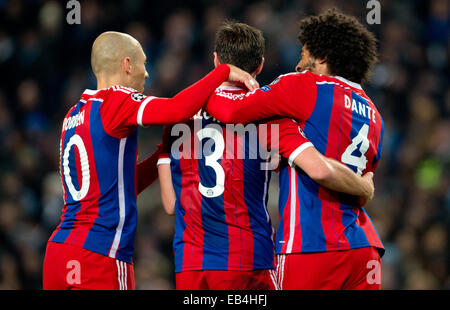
[
  {"x": 279, "y": 98},
  {"x": 329, "y": 173},
  {"x": 334, "y": 175}
]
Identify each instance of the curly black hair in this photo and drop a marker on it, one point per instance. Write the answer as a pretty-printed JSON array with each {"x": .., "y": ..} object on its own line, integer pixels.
[{"x": 350, "y": 50}]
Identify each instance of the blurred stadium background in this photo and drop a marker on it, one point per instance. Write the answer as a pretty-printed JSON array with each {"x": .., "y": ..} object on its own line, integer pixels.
[{"x": 45, "y": 66}]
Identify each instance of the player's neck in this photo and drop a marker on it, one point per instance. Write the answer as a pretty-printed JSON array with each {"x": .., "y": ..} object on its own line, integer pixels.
[
  {"x": 103, "y": 83},
  {"x": 321, "y": 68},
  {"x": 234, "y": 84},
  {"x": 106, "y": 84},
  {"x": 231, "y": 84}
]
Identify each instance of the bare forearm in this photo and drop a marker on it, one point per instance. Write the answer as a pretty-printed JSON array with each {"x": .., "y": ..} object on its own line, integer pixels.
[
  {"x": 146, "y": 172},
  {"x": 343, "y": 179},
  {"x": 332, "y": 174},
  {"x": 168, "y": 196}
]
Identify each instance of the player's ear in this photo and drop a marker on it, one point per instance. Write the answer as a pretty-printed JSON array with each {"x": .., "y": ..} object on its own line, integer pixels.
[
  {"x": 260, "y": 67},
  {"x": 216, "y": 59},
  {"x": 126, "y": 65},
  {"x": 322, "y": 61}
]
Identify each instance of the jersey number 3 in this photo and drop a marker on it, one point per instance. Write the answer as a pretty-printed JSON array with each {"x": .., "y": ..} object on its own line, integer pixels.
[{"x": 212, "y": 160}]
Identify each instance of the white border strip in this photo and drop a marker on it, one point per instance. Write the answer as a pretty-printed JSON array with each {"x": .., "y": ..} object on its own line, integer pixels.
[
  {"x": 229, "y": 88},
  {"x": 348, "y": 82},
  {"x": 117, "y": 236},
  {"x": 124, "y": 274},
  {"x": 283, "y": 258},
  {"x": 118, "y": 88},
  {"x": 91, "y": 92},
  {"x": 273, "y": 277},
  {"x": 163, "y": 161},
  {"x": 142, "y": 108},
  {"x": 119, "y": 274},
  {"x": 292, "y": 211},
  {"x": 280, "y": 270},
  {"x": 297, "y": 152}
]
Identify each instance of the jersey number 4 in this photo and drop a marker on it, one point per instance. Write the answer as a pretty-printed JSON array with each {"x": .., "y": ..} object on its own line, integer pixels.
[{"x": 361, "y": 143}]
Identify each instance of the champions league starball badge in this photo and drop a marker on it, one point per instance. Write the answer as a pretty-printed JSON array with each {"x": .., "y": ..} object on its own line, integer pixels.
[{"x": 138, "y": 97}]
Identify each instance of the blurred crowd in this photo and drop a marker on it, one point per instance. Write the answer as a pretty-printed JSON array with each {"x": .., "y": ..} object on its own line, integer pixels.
[{"x": 45, "y": 66}]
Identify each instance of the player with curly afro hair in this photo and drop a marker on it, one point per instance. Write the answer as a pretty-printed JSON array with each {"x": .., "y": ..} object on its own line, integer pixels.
[
  {"x": 341, "y": 43},
  {"x": 324, "y": 239}
]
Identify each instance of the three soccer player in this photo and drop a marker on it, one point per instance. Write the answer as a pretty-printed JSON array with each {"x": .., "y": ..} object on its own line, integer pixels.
[{"x": 324, "y": 240}]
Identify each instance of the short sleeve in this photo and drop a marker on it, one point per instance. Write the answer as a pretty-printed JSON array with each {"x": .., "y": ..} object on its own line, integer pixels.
[
  {"x": 164, "y": 158},
  {"x": 286, "y": 136},
  {"x": 119, "y": 111}
]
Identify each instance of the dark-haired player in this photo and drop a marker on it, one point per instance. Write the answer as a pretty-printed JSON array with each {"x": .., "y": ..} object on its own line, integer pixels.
[
  {"x": 324, "y": 240},
  {"x": 223, "y": 236}
]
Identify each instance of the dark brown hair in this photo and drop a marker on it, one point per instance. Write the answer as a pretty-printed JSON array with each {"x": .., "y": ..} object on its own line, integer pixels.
[
  {"x": 350, "y": 50},
  {"x": 239, "y": 44}
]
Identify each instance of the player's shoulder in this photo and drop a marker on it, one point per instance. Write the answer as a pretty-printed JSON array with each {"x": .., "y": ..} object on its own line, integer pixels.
[
  {"x": 231, "y": 89},
  {"x": 341, "y": 82},
  {"x": 231, "y": 92},
  {"x": 120, "y": 93},
  {"x": 304, "y": 77},
  {"x": 99, "y": 95},
  {"x": 87, "y": 96},
  {"x": 123, "y": 89}
]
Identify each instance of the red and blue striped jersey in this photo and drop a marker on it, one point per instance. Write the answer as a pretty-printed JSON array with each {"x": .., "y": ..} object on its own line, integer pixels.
[
  {"x": 98, "y": 161},
  {"x": 98, "y": 175},
  {"x": 221, "y": 186},
  {"x": 342, "y": 122}
]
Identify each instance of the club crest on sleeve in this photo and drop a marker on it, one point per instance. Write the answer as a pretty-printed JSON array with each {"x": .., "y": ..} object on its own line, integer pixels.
[
  {"x": 265, "y": 88},
  {"x": 137, "y": 97}
]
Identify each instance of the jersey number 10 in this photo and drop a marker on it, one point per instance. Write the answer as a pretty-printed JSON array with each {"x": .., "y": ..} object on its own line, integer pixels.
[{"x": 77, "y": 195}]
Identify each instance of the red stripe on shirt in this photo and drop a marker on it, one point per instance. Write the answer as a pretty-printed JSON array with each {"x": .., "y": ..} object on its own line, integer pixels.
[
  {"x": 88, "y": 212},
  {"x": 72, "y": 237},
  {"x": 297, "y": 244},
  {"x": 90, "y": 205},
  {"x": 373, "y": 136},
  {"x": 286, "y": 217},
  {"x": 344, "y": 141},
  {"x": 191, "y": 201},
  {"x": 331, "y": 216},
  {"x": 236, "y": 212}
]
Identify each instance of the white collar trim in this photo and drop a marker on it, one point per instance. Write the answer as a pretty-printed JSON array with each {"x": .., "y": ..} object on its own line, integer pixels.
[
  {"x": 90, "y": 92},
  {"x": 350, "y": 83},
  {"x": 229, "y": 88}
]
